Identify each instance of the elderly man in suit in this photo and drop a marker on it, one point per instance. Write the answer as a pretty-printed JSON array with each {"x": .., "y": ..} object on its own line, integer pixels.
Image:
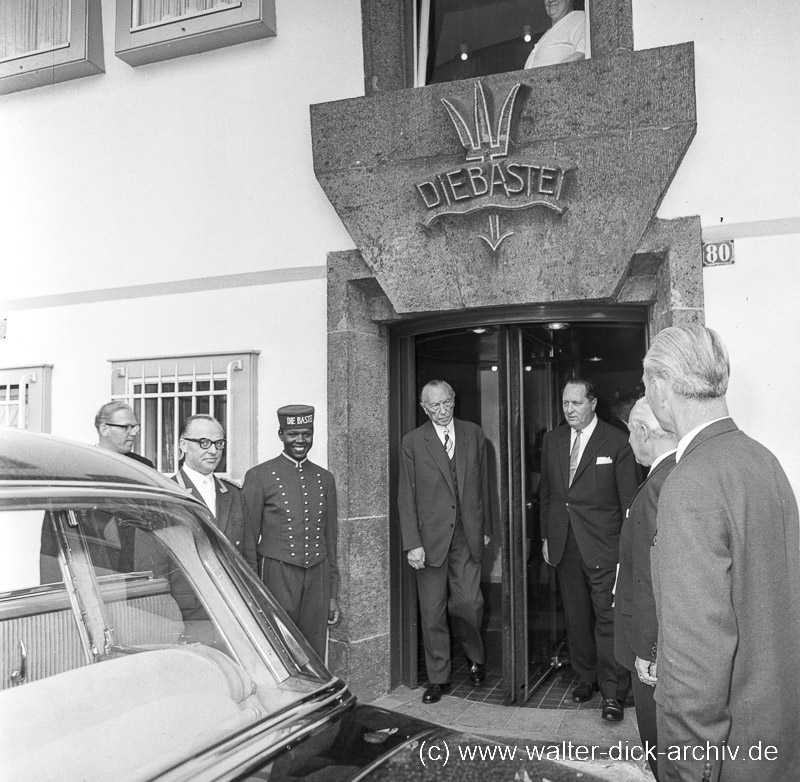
[
  {"x": 635, "y": 623},
  {"x": 202, "y": 443},
  {"x": 588, "y": 480},
  {"x": 726, "y": 580},
  {"x": 445, "y": 519}
]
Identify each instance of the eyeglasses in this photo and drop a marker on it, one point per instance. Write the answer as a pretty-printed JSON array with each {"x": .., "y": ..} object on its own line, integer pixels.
[
  {"x": 129, "y": 428},
  {"x": 446, "y": 404},
  {"x": 205, "y": 443}
]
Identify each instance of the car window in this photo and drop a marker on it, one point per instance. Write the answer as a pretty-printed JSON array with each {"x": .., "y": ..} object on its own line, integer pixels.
[{"x": 128, "y": 620}]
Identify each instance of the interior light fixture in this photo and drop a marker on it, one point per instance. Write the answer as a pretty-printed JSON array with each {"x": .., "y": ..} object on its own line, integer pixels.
[
  {"x": 595, "y": 358},
  {"x": 464, "y": 49},
  {"x": 557, "y": 325},
  {"x": 480, "y": 329},
  {"x": 526, "y": 33}
]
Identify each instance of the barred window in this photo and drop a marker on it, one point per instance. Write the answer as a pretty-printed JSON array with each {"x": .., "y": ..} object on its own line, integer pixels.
[
  {"x": 165, "y": 391},
  {"x": 25, "y": 397}
]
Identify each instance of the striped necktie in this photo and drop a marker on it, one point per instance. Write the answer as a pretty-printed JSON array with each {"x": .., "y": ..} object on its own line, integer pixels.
[
  {"x": 573, "y": 455},
  {"x": 448, "y": 444}
]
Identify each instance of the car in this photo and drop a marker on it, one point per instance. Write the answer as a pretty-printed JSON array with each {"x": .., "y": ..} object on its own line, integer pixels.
[{"x": 137, "y": 644}]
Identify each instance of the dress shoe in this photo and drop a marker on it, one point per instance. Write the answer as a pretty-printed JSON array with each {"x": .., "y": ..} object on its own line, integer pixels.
[
  {"x": 434, "y": 693},
  {"x": 612, "y": 710},
  {"x": 477, "y": 673},
  {"x": 583, "y": 692}
]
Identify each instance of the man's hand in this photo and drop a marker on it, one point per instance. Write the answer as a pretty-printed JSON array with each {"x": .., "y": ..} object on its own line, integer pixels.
[
  {"x": 646, "y": 671},
  {"x": 416, "y": 558},
  {"x": 334, "y": 614},
  {"x": 544, "y": 552}
]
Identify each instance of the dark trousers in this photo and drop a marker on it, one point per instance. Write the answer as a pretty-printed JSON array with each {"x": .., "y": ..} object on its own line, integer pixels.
[
  {"x": 645, "y": 703},
  {"x": 455, "y": 588},
  {"x": 305, "y": 594},
  {"x": 587, "y": 593}
]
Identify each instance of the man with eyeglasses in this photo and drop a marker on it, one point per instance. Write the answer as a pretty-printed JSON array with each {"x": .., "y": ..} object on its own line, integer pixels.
[
  {"x": 445, "y": 520},
  {"x": 202, "y": 444},
  {"x": 293, "y": 501},
  {"x": 117, "y": 428}
]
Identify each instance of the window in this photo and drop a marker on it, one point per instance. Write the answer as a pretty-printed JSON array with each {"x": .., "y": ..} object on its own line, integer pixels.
[
  {"x": 47, "y": 41},
  {"x": 165, "y": 391},
  {"x": 457, "y": 40},
  {"x": 152, "y": 30},
  {"x": 25, "y": 397}
]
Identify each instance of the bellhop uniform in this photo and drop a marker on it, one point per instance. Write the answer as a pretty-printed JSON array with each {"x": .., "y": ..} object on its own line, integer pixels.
[{"x": 295, "y": 504}]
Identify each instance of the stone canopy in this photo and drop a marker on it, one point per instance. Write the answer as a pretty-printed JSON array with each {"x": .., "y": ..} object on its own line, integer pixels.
[{"x": 615, "y": 128}]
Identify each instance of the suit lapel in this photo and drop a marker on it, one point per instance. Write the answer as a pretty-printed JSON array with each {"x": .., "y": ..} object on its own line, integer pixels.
[
  {"x": 183, "y": 479},
  {"x": 223, "y": 504},
  {"x": 592, "y": 447},
  {"x": 564, "y": 435},
  {"x": 461, "y": 454},
  {"x": 436, "y": 450}
]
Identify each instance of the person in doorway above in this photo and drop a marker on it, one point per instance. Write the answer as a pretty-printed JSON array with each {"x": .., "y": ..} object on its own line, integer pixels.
[
  {"x": 117, "y": 428},
  {"x": 445, "y": 521},
  {"x": 635, "y": 623},
  {"x": 588, "y": 480},
  {"x": 726, "y": 579},
  {"x": 293, "y": 502},
  {"x": 565, "y": 41},
  {"x": 202, "y": 444}
]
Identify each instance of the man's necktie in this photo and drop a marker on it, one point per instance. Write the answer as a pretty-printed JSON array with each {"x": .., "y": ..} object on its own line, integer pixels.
[
  {"x": 573, "y": 455},
  {"x": 448, "y": 444}
]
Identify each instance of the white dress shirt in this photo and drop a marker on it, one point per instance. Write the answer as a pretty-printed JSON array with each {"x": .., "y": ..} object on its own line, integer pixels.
[{"x": 206, "y": 485}]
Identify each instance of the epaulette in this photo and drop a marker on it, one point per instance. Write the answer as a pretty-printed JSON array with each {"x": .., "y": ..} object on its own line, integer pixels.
[{"x": 236, "y": 484}]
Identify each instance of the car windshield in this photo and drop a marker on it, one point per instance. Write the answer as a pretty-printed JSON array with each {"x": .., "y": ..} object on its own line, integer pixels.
[{"x": 132, "y": 631}]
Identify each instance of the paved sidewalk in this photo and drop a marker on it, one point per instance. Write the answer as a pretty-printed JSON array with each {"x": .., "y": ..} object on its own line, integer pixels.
[{"x": 556, "y": 727}]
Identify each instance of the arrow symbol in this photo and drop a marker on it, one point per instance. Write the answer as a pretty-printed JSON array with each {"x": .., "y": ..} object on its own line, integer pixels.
[{"x": 495, "y": 239}]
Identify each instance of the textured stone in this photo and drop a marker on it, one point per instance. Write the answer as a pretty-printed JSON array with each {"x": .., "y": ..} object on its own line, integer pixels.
[
  {"x": 625, "y": 121},
  {"x": 364, "y": 665}
]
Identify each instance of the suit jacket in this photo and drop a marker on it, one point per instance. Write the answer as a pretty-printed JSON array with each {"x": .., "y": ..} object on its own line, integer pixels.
[
  {"x": 635, "y": 622},
  {"x": 232, "y": 516},
  {"x": 426, "y": 495},
  {"x": 602, "y": 489},
  {"x": 727, "y": 584}
]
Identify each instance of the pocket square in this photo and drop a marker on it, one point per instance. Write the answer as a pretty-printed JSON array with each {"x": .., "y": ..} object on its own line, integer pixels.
[{"x": 604, "y": 460}]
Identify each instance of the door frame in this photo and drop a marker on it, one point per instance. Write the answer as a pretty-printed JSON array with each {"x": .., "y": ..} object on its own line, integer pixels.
[{"x": 404, "y": 640}]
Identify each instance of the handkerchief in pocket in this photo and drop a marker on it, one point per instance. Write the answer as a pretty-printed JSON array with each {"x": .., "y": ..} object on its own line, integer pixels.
[{"x": 604, "y": 460}]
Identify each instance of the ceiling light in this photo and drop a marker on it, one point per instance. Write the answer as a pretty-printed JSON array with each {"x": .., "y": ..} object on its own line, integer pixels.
[
  {"x": 464, "y": 51},
  {"x": 526, "y": 33},
  {"x": 595, "y": 358},
  {"x": 556, "y": 325},
  {"x": 479, "y": 330}
]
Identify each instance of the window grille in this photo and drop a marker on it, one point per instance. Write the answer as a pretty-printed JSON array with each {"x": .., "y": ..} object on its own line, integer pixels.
[{"x": 165, "y": 391}]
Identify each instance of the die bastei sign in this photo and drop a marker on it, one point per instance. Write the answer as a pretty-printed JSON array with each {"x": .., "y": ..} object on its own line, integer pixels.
[{"x": 490, "y": 179}]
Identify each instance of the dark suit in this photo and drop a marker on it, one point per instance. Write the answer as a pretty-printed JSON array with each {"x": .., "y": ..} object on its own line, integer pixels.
[
  {"x": 232, "y": 517},
  {"x": 581, "y": 524},
  {"x": 727, "y": 586},
  {"x": 635, "y": 622},
  {"x": 451, "y": 529}
]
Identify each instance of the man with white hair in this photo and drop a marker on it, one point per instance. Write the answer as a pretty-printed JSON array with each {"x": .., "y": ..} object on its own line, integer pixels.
[
  {"x": 726, "y": 580},
  {"x": 635, "y": 623}
]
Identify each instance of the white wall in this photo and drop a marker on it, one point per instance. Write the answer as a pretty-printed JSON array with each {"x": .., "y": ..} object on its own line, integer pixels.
[
  {"x": 195, "y": 166},
  {"x": 190, "y": 168},
  {"x": 744, "y": 161},
  {"x": 743, "y": 167},
  {"x": 753, "y": 306},
  {"x": 286, "y": 322}
]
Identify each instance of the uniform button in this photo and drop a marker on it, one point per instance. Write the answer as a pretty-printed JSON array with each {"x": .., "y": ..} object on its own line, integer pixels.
[{"x": 293, "y": 553}]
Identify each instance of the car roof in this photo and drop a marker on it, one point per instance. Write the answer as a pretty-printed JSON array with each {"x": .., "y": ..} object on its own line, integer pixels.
[{"x": 41, "y": 458}]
